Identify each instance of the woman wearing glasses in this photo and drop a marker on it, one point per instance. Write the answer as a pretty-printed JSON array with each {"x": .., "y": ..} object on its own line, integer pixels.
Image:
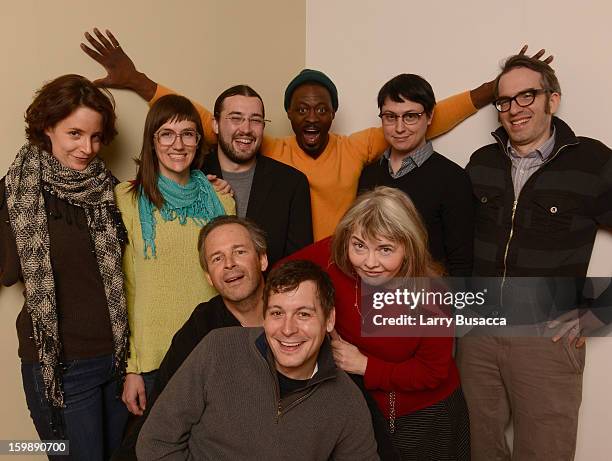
[
  {"x": 61, "y": 235},
  {"x": 380, "y": 241},
  {"x": 164, "y": 209}
]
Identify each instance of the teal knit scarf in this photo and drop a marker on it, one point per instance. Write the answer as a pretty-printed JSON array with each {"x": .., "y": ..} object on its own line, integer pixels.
[{"x": 196, "y": 200}]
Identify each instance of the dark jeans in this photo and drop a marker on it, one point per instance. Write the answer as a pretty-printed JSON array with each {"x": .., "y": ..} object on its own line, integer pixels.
[{"x": 93, "y": 416}]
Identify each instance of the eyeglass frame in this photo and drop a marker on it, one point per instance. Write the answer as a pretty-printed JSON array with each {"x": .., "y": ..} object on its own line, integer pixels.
[
  {"x": 536, "y": 92},
  {"x": 402, "y": 117},
  {"x": 177, "y": 135},
  {"x": 252, "y": 121}
]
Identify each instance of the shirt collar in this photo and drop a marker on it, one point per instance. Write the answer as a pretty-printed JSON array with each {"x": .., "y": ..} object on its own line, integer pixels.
[
  {"x": 543, "y": 151},
  {"x": 417, "y": 156}
]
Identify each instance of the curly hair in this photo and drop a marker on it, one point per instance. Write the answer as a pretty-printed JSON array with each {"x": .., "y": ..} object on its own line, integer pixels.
[{"x": 59, "y": 98}]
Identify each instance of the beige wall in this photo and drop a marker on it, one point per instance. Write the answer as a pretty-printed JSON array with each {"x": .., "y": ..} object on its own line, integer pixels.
[
  {"x": 209, "y": 45},
  {"x": 456, "y": 46}
]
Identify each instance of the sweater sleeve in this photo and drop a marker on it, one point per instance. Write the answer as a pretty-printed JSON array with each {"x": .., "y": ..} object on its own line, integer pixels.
[
  {"x": 356, "y": 440},
  {"x": 229, "y": 205},
  {"x": 127, "y": 206},
  {"x": 449, "y": 112},
  {"x": 205, "y": 115},
  {"x": 426, "y": 369},
  {"x": 165, "y": 434},
  {"x": 457, "y": 216}
]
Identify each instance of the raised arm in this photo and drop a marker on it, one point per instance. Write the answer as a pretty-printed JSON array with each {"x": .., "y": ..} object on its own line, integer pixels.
[{"x": 121, "y": 72}]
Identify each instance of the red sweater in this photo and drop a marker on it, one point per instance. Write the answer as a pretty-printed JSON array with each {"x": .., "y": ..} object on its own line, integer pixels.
[{"x": 421, "y": 371}]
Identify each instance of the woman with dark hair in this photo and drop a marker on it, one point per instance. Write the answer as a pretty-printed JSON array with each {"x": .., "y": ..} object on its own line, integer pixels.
[
  {"x": 163, "y": 211},
  {"x": 61, "y": 234},
  {"x": 381, "y": 243}
]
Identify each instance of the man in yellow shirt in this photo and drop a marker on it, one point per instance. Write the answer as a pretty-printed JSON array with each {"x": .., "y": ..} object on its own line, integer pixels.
[{"x": 331, "y": 162}]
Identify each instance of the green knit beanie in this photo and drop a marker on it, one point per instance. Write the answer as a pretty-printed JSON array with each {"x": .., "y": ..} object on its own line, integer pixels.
[{"x": 314, "y": 76}]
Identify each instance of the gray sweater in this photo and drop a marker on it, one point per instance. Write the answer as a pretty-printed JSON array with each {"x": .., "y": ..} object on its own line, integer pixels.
[{"x": 224, "y": 404}]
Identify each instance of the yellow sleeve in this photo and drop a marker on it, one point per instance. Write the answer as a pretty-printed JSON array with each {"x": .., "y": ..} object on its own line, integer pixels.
[
  {"x": 205, "y": 116},
  {"x": 229, "y": 205},
  {"x": 127, "y": 206},
  {"x": 449, "y": 112}
]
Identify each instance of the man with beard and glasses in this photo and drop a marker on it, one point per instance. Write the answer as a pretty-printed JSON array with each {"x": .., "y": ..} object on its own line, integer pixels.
[
  {"x": 332, "y": 163},
  {"x": 272, "y": 194}
]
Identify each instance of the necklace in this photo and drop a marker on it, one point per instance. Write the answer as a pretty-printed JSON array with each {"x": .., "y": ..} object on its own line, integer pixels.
[{"x": 356, "y": 304}]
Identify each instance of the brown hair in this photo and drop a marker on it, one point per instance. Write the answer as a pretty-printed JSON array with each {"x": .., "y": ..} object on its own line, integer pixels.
[
  {"x": 386, "y": 212},
  {"x": 59, "y": 98},
  {"x": 548, "y": 79},
  {"x": 289, "y": 276},
  {"x": 258, "y": 236},
  {"x": 169, "y": 108},
  {"x": 236, "y": 90}
]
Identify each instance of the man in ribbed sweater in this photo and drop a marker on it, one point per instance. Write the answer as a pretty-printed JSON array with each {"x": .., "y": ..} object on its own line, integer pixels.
[
  {"x": 541, "y": 194},
  {"x": 244, "y": 393}
]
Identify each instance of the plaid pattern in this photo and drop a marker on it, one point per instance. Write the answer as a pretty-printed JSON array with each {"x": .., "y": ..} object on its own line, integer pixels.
[
  {"x": 410, "y": 162},
  {"x": 91, "y": 189}
]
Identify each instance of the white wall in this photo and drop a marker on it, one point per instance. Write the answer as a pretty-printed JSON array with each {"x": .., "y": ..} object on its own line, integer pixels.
[{"x": 457, "y": 46}]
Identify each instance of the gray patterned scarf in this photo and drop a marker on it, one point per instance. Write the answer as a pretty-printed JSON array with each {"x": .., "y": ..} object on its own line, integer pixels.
[{"x": 91, "y": 189}]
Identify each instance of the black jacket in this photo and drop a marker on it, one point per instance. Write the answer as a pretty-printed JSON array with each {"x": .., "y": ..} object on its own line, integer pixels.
[
  {"x": 549, "y": 230},
  {"x": 279, "y": 203}
]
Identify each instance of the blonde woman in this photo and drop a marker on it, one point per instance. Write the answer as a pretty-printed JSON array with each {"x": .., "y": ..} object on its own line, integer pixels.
[{"x": 413, "y": 380}]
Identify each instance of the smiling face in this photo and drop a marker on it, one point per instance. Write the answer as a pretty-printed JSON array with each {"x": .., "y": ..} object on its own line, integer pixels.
[
  {"x": 403, "y": 138},
  {"x": 311, "y": 115},
  {"x": 239, "y": 141},
  {"x": 528, "y": 127},
  {"x": 295, "y": 327},
  {"x": 77, "y": 139},
  {"x": 175, "y": 160},
  {"x": 234, "y": 267},
  {"x": 376, "y": 260}
]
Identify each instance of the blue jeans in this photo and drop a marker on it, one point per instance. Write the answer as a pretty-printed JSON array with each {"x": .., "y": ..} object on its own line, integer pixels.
[{"x": 94, "y": 418}]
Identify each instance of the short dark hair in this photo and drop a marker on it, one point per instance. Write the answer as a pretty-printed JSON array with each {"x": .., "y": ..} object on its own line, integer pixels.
[
  {"x": 169, "y": 108},
  {"x": 58, "y": 98},
  {"x": 289, "y": 276},
  {"x": 408, "y": 87},
  {"x": 236, "y": 90},
  {"x": 258, "y": 236},
  {"x": 548, "y": 78}
]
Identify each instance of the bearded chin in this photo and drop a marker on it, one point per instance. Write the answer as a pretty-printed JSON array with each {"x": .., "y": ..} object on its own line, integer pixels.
[{"x": 231, "y": 154}]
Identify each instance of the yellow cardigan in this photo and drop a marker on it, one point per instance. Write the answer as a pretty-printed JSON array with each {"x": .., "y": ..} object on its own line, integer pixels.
[
  {"x": 334, "y": 175},
  {"x": 161, "y": 292}
]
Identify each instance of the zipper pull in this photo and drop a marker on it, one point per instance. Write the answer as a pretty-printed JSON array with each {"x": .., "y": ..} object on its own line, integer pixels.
[{"x": 279, "y": 410}]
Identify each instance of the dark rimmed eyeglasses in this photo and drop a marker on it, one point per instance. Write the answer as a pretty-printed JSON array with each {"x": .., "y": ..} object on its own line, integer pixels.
[
  {"x": 189, "y": 138},
  {"x": 409, "y": 118},
  {"x": 523, "y": 99}
]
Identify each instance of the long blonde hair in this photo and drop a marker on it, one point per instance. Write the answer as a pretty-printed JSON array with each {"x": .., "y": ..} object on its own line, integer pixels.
[{"x": 389, "y": 213}]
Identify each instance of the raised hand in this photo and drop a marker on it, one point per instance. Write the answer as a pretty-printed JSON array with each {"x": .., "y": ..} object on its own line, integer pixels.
[
  {"x": 121, "y": 71},
  {"x": 485, "y": 93},
  {"x": 538, "y": 55}
]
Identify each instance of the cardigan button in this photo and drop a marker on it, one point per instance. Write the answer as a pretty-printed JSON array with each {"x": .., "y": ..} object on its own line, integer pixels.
[
  {"x": 484, "y": 199},
  {"x": 553, "y": 209}
]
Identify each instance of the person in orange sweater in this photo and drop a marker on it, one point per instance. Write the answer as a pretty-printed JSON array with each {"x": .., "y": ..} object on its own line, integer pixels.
[{"x": 331, "y": 162}]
